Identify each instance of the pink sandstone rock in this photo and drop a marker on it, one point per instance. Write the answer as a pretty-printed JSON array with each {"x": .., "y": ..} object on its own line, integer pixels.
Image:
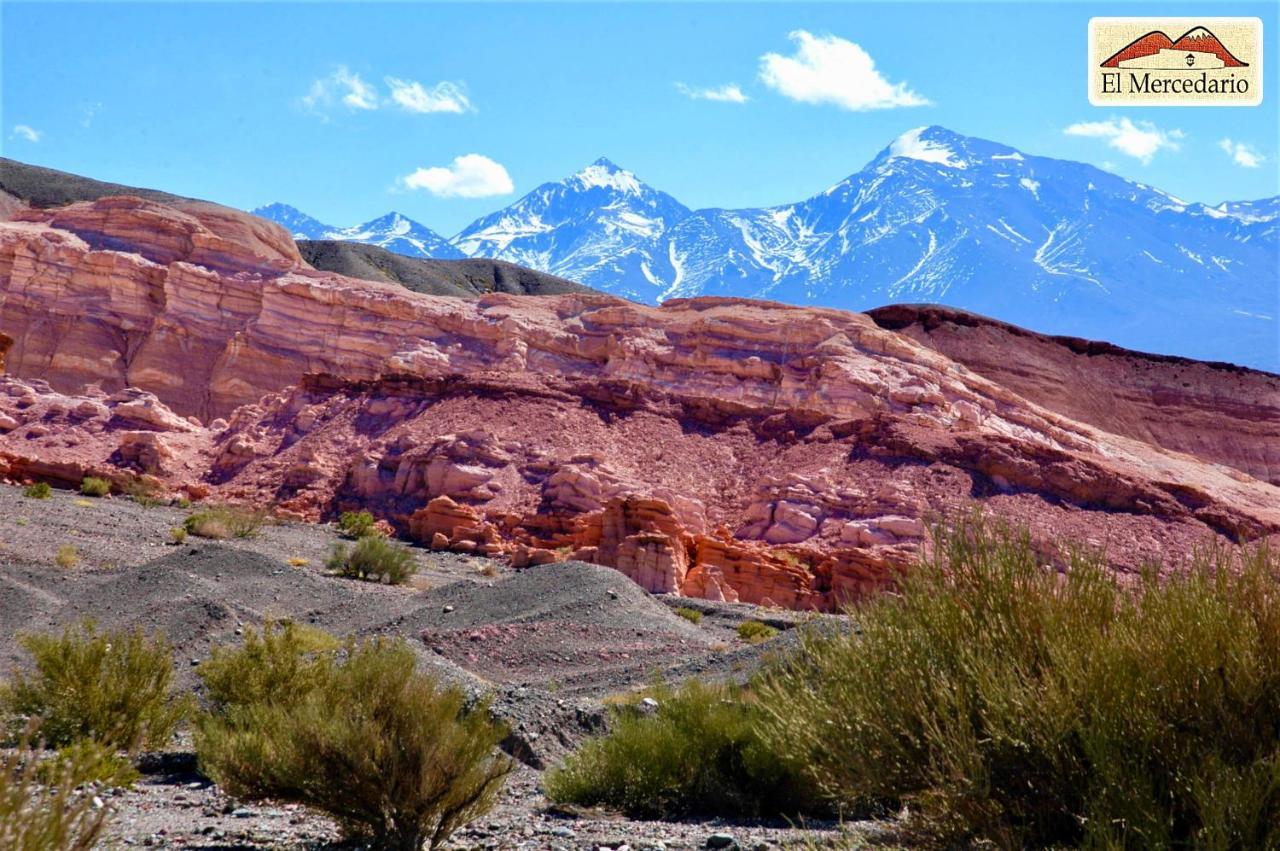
[{"x": 725, "y": 449}]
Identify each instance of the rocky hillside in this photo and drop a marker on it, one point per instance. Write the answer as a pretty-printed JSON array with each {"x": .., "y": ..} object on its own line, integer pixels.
[
  {"x": 718, "y": 448},
  {"x": 466, "y": 278},
  {"x": 1215, "y": 411}
]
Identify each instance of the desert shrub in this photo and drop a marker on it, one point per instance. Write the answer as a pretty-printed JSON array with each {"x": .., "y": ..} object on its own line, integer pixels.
[
  {"x": 91, "y": 762},
  {"x": 114, "y": 688},
  {"x": 396, "y": 758},
  {"x": 691, "y": 615},
  {"x": 40, "y": 490},
  {"x": 40, "y": 806},
  {"x": 753, "y": 632},
  {"x": 374, "y": 559},
  {"x": 283, "y": 659},
  {"x": 144, "y": 492},
  {"x": 94, "y": 486},
  {"x": 699, "y": 752},
  {"x": 178, "y": 535},
  {"x": 357, "y": 524},
  {"x": 1004, "y": 701},
  {"x": 67, "y": 556},
  {"x": 225, "y": 521}
]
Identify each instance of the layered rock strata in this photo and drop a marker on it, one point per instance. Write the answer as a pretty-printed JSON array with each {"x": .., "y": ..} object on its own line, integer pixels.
[{"x": 724, "y": 449}]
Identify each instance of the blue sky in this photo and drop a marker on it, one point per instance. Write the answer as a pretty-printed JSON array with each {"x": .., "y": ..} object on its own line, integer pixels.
[{"x": 331, "y": 107}]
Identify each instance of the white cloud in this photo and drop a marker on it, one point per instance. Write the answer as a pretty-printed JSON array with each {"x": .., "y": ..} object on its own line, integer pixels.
[
  {"x": 26, "y": 131},
  {"x": 827, "y": 69},
  {"x": 88, "y": 112},
  {"x": 1141, "y": 141},
  {"x": 468, "y": 176},
  {"x": 345, "y": 85},
  {"x": 1241, "y": 154},
  {"x": 728, "y": 93},
  {"x": 412, "y": 96}
]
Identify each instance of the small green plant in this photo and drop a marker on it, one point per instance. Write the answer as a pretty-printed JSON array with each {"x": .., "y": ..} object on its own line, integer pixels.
[
  {"x": 396, "y": 758},
  {"x": 94, "y": 486},
  {"x": 178, "y": 535},
  {"x": 754, "y": 632},
  {"x": 144, "y": 492},
  {"x": 697, "y": 752},
  {"x": 40, "y": 490},
  {"x": 225, "y": 521},
  {"x": 374, "y": 559},
  {"x": 691, "y": 615},
  {"x": 41, "y": 806},
  {"x": 93, "y": 762},
  {"x": 357, "y": 524},
  {"x": 67, "y": 556},
  {"x": 114, "y": 688}
]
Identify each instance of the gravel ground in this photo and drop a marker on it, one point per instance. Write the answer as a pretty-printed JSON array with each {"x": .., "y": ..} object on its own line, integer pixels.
[{"x": 546, "y": 644}]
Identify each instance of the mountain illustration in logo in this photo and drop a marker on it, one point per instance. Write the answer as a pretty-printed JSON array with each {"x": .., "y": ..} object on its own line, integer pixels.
[{"x": 1196, "y": 50}]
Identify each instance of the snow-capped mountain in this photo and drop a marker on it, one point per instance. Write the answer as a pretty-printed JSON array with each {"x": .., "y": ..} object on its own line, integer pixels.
[
  {"x": 1056, "y": 246},
  {"x": 393, "y": 232},
  {"x": 601, "y": 224},
  {"x": 297, "y": 222}
]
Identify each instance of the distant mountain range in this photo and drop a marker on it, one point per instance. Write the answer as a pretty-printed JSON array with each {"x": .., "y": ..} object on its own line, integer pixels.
[
  {"x": 1058, "y": 246},
  {"x": 393, "y": 232}
]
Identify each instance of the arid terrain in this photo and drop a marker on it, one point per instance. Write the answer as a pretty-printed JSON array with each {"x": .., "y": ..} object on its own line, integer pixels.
[
  {"x": 546, "y": 644},
  {"x": 570, "y": 467}
]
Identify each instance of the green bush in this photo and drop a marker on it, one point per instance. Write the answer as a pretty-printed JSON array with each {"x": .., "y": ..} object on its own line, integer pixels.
[
  {"x": 40, "y": 806},
  {"x": 91, "y": 762},
  {"x": 691, "y": 615},
  {"x": 40, "y": 490},
  {"x": 284, "y": 659},
  {"x": 699, "y": 752},
  {"x": 396, "y": 758},
  {"x": 225, "y": 521},
  {"x": 145, "y": 492},
  {"x": 357, "y": 524},
  {"x": 94, "y": 486},
  {"x": 753, "y": 632},
  {"x": 1000, "y": 700},
  {"x": 374, "y": 559},
  {"x": 114, "y": 688}
]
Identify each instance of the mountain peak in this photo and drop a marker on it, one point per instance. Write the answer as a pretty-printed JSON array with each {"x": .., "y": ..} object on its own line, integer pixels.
[
  {"x": 389, "y": 218},
  {"x": 932, "y": 144},
  {"x": 604, "y": 173},
  {"x": 274, "y": 206}
]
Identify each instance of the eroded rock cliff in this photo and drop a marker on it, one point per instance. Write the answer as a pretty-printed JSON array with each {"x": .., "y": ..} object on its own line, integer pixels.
[{"x": 715, "y": 448}]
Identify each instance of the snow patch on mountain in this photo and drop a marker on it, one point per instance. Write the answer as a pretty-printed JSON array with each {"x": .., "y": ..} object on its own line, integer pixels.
[{"x": 912, "y": 146}]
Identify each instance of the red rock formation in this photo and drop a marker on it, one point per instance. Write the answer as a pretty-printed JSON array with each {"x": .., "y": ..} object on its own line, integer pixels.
[
  {"x": 725, "y": 449},
  {"x": 1217, "y": 412}
]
